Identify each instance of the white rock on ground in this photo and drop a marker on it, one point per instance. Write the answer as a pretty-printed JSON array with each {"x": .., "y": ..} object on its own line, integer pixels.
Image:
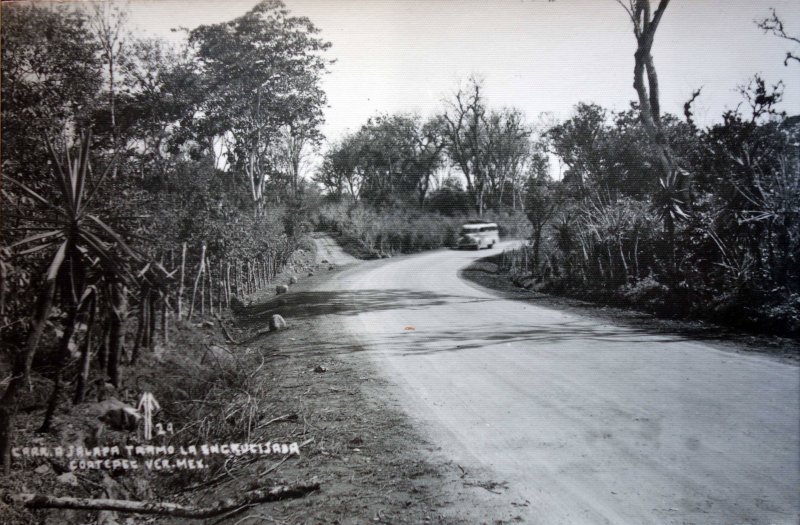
[{"x": 276, "y": 322}]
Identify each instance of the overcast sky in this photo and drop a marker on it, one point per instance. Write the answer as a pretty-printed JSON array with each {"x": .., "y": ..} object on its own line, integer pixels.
[{"x": 540, "y": 56}]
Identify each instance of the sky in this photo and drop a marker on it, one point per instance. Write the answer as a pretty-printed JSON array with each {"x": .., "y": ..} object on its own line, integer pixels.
[
  {"x": 540, "y": 56},
  {"x": 536, "y": 55}
]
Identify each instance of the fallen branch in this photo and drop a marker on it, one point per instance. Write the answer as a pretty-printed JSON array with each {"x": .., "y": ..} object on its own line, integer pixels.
[
  {"x": 40, "y": 501},
  {"x": 227, "y": 334},
  {"x": 287, "y": 417}
]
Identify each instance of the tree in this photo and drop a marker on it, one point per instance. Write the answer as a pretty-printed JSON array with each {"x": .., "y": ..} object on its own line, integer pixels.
[
  {"x": 507, "y": 151},
  {"x": 669, "y": 197},
  {"x": 342, "y": 171},
  {"x": 773, "y": 24},
  {"x": 164, "y": 87},
  {"x": 262, "y": 72},
  {"x": 542, "y": 200},
  {"x": 450, "y": 199},
  {"x": 466, "y": 138},
  {"x": 399, "y": 154},
  {"x": 51, "y": 76},
  {"x": 579, "y": 143},
  {"x": 108, "y": 28}
]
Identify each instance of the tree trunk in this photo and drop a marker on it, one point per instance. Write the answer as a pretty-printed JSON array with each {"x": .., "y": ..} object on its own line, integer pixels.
[
  {"x": 152, "y": 320},
  {"x": 86, "y": 356},
  {"x": 62, "y": 360},
  {"x": 164, "y": 319},
  {"x": 116, "y": 337},
  {"x": 197, "y": 278},
  {"x": 43, "y": 306},
  {"x": 281, "y": 492},
  {"x": 142, "y": 325},
  {"x": 181, "y": 281}
]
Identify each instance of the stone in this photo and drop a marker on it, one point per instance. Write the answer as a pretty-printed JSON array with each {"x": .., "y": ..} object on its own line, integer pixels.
[
  {"x": 292, "y": 280},
  {"x": 276, "y": 322},
  {"x": 281, "y": 288},
  {"x": 68, "y": 478},
  {"x": 116, "y": 414}
]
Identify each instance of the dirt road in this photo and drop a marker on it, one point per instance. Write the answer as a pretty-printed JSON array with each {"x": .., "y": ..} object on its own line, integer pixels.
[{"x": 576, "y": 420}]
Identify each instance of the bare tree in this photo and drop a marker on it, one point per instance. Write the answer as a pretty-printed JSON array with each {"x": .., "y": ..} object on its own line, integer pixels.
[
  {"x": 774, "y": 25},
  {"x": 465, "y": 133}
]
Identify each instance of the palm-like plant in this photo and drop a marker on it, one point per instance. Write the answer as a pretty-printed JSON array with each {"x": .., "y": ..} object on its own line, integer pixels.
[
  {"x": 85, "y": 249},
  {"x": 668, "y": 204}
]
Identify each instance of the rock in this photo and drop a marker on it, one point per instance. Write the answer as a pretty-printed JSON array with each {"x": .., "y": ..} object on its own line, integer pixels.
[
  {"x": 276, "y": 322},
  {"x": 331, "y": 267},
  {"x": 324, "y": 261},
  {"x": 281, "y": 288},
  {"x": 320, "y": 369},
  {"x": 44, "y": 468},
  {"x": 108, "y": 391},
  {"x": 117, "y": 414},
  {"x": 68, "y": 478},
  {"x": 311, "y": 274},
  {"x": 292, "y": 280},
  {"x": 527, "y": 283}
]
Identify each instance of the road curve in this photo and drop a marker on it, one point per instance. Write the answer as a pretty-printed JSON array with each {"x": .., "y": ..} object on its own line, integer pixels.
[{"x": 585, "y": 421}]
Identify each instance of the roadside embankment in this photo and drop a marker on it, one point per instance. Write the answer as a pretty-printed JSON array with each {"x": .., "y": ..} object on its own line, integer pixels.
[{"x": 489, "y": 272}]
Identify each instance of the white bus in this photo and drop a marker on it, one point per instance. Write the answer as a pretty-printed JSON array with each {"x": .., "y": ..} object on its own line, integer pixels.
[{"x": 478, "y": 235}]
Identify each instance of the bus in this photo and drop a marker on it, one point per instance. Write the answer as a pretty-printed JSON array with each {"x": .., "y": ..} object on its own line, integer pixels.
[{"x": 478, "y": 234}]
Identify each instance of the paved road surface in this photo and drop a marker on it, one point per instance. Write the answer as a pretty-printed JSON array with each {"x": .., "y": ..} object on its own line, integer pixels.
[{"x": 586, "y": 421}]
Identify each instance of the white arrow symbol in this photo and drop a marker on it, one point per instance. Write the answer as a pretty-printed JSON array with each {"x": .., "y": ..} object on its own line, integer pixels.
[{"x": 148, "y": 405}]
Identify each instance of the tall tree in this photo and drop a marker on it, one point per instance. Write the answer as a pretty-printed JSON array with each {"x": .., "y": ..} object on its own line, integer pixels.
[
  {"x": 507, "y": 150},
  {"x": 164, "y": 86},
  {"x": 466, "y": 138},
  {"x": 107, "y": 23},
  {"x": 668, "y": 199},
  {"x": 50, "y": 78},
  {"x": 342, "y": 171},
  {"x": 262, "y": 71}
]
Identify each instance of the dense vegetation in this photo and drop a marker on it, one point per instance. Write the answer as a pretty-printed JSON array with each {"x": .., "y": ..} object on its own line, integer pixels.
[
  {"x": 390, "y": 185},
  {"x": 117, "y": 219},
  {"x": 723, "y": 244}
]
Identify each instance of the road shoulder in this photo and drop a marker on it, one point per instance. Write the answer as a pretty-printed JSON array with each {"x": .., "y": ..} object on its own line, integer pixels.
[
  {"x": 784, "y": 349},
  {"x": 371, "y": 463}
]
